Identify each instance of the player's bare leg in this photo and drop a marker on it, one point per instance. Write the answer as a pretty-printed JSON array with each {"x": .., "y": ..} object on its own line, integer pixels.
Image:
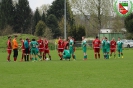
[
  {"x": 22, "y": 57},
  {"x": 95, "y": 55},
  {"x": 8, "y": 57},
  {"x": 60, "y": 55},
  {"x": 49, "y": 56},
  {"x": 41, "y": 55},
  {"x": 74, "y": 57},
  {"x": 99, "y": 55}
]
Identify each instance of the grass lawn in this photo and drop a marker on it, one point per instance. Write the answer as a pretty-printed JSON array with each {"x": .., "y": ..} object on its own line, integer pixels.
[{"x": 112, "y": 73}]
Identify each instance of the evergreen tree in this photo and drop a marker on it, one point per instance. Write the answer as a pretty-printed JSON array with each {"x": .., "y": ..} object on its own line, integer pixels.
[
  {"x": 57, "y": 9},
  {"x": 22, "y": 16},
  {"x": 43, "y": 17},
  {"x": 6, "y": 13},
  {"x": 52, "y": 23},
  {"x": 40, "y": 28},
  {"x": 129, "y": 23},
  {"x": 36, "y": 19}
]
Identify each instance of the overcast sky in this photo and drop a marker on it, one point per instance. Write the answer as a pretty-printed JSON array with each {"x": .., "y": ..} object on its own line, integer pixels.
[{"x": 37, "y": 3}]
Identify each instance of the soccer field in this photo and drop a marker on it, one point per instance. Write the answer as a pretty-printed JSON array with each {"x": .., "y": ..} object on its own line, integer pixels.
[{"x": 100, "y": 73}]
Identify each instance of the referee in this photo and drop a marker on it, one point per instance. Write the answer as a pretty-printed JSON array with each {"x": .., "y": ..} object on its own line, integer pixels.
[{"x": 15, "y": 47}]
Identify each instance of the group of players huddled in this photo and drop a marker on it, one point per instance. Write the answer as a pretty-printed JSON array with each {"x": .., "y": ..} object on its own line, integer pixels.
[
  {"x": 33, "y": 49},
  {"x": 108, "y": 47}
]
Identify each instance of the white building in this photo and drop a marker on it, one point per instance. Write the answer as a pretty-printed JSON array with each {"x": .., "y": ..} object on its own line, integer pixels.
[{"x": 105, "y": 30}]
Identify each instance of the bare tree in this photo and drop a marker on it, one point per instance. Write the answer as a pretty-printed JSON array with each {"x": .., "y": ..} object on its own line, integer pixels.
[
  {"x": 44, "y": 8},
  {"x": 100, "y": 11}
]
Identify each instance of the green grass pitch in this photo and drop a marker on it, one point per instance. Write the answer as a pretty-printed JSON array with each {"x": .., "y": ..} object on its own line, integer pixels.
[{"x": 100, "y": 73}]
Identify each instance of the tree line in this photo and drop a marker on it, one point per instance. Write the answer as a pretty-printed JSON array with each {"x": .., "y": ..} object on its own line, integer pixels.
[{"x": 18, "y": 17}]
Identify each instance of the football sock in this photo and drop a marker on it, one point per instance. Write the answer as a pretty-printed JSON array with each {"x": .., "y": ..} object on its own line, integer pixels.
[
  {"x": 49, "y": 57},
  {"x": 107, "y": 56},
  {"x": 36, "y": 59},
  {"x": 25, "y": 57},
  {"x": 119, "y": 55},
  {"x": 74, "y": 57},
  {"x": 104, "y": 56},
  {"x": 99, "y": 56},
  {"x": 15, "y": 58},
  {"x": 84, "y": 56}
]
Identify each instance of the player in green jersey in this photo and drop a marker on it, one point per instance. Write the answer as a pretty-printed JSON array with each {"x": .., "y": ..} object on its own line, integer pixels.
[
  {"x": 71, "y": 48},
  {"x": 33, "y": 46},
  {"x": 119, "y": 48},
  {"x": 106, "y": 48},
  {"x": 84, "y": 47},
  {"x": 107, "y": 44},
  {"x": 66, "y": 53}
]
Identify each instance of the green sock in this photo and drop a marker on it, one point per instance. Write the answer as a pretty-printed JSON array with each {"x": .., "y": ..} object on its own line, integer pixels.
[
  {"x": 35, "y": 58},
  {"x": 74, "y": 57},
  {"x": 119, "y": 55},
  {"x": 107, "y": 56},
  {"x": 86, "y": 56}
]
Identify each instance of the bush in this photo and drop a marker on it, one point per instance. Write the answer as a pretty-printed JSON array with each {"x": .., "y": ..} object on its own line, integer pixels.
[{"x": 7, "y": 31}]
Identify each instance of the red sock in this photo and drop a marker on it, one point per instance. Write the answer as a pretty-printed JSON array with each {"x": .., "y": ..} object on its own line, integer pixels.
[
  {"x": 95, "y": 56},
  {"x": 98, "y": 55},
  {"x": 15, "y": 58}
]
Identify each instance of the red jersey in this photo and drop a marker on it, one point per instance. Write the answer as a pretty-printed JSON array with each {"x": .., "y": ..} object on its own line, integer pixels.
[
  {"x": 46, "y": 44},
  {"x": 41, "y": 45},
  {"x": 22, "y": 44},
  {"x": 9, "y": 45},
  {"x": 96, "y": 43},
  {"x": 113, "y": 44},
  {"x": 60, "y": 44},
  {"x": 65, "y": 44}
]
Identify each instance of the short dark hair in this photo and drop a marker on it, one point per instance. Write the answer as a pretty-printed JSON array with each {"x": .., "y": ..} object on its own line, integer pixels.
[
  {"x": 27, "y": 38},
  {"x": 33, "y": 39},
  {"x": 20, "y": 39},
  {"x": 106, "y": 38},
  {"x": 9, "y": 37},
  {"x": 96, "y": 36},
  {"x": 15, "y": 36}
]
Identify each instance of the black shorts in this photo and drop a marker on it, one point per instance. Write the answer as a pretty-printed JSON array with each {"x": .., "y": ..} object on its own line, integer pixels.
[
  {"x": 15, "y": 52},
  {"x": 27, "y": 51}
]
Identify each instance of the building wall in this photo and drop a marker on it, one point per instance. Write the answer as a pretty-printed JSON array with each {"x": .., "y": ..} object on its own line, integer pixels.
[{"x": 111, "y": 35}]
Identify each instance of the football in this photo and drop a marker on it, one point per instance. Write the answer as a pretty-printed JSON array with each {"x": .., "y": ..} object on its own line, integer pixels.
[{"x": 47, "y": 59}]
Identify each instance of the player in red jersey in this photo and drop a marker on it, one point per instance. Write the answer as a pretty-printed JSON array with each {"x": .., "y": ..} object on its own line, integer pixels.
[
  {"x": 66, "y": 43},
  {"x": 23, "y": 49},
  {"x": 74, "y": 48},
  {"x": 41, "y": 46},
  {"x": 113, "y": 47},
  {"x": 60, "y": 47},
  {"x": 9, "y": 48},
  {"x": 96, "y": 46},
  {"x": 46, "y": 49}
]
